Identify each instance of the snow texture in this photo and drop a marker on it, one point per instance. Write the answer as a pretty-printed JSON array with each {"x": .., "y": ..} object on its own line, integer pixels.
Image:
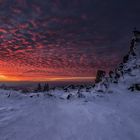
[{"x": 102, "y": 112}]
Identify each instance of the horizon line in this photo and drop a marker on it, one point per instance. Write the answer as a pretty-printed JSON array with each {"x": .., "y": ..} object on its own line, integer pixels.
[{"x": 59, "y": 79}]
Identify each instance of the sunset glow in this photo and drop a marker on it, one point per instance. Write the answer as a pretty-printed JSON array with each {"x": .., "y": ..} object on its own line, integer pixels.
[
  {"x": 41, "y": 79},
  {"x": 2, "y": 77},
  {"x": 55, "y": 40}
]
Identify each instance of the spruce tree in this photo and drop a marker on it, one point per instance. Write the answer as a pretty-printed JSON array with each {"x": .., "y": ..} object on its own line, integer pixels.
[
  {"x": 46, "y": 87},
  {"x": 39, "y": 88}
]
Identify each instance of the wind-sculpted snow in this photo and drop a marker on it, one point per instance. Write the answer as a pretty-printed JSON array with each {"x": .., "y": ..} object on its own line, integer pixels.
[{"x": 105, "y": 117}]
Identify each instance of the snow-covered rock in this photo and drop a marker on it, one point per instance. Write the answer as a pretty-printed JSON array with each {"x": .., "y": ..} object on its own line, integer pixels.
[{"x": 126, "y": 74}]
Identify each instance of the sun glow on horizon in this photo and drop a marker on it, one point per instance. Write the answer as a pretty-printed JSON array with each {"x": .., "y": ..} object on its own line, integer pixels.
[
  {"x": 12, "y": 79},
  {"x": 2, "y": 77}
]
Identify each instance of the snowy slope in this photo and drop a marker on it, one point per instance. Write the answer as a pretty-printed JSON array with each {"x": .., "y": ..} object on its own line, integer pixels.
[
  {"x": 106, "y": 117},
  {"x": 76, "y": 114}
]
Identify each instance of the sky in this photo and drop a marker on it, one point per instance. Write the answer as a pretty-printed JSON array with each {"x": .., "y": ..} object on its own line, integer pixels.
[{"x": 61, "y": 39}]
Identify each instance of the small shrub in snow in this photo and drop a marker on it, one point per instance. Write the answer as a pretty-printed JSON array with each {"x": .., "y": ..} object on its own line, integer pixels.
[{"x": 134, "y": 87}]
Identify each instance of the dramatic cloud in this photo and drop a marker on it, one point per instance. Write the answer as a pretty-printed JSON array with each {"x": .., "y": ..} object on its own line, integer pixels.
[{"x": 42, "y": 39}]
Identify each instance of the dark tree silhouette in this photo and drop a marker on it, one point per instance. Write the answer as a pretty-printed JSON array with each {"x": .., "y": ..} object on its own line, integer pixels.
[
  {"x": 100, "y": 75},
  {"x": 39, "y": 88},
  {"x": 46, "y": 87}
]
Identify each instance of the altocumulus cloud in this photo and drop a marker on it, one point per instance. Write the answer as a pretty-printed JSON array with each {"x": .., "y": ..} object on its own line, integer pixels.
[{"x": 63, "y": 38}]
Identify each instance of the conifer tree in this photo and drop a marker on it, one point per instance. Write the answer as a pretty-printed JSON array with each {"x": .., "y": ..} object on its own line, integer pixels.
[
  {"x": 39, "y": 88},
  {"x": 46, "y": 87}
]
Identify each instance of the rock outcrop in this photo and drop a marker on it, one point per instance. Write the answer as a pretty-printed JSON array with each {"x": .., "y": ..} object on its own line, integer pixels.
[{"x": 128, "y": 68}]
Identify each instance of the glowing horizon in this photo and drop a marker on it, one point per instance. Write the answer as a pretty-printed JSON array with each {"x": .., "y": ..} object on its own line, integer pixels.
[
  {"x": 4, "y": 78},
  {"x": 58, "y": 40}
]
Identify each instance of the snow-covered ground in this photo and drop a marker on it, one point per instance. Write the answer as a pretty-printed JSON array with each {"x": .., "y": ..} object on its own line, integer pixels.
[{"x": 113, "y": 116}]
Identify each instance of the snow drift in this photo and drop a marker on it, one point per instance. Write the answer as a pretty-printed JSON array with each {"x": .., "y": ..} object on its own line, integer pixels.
[{"x": 109, "y": 110}]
